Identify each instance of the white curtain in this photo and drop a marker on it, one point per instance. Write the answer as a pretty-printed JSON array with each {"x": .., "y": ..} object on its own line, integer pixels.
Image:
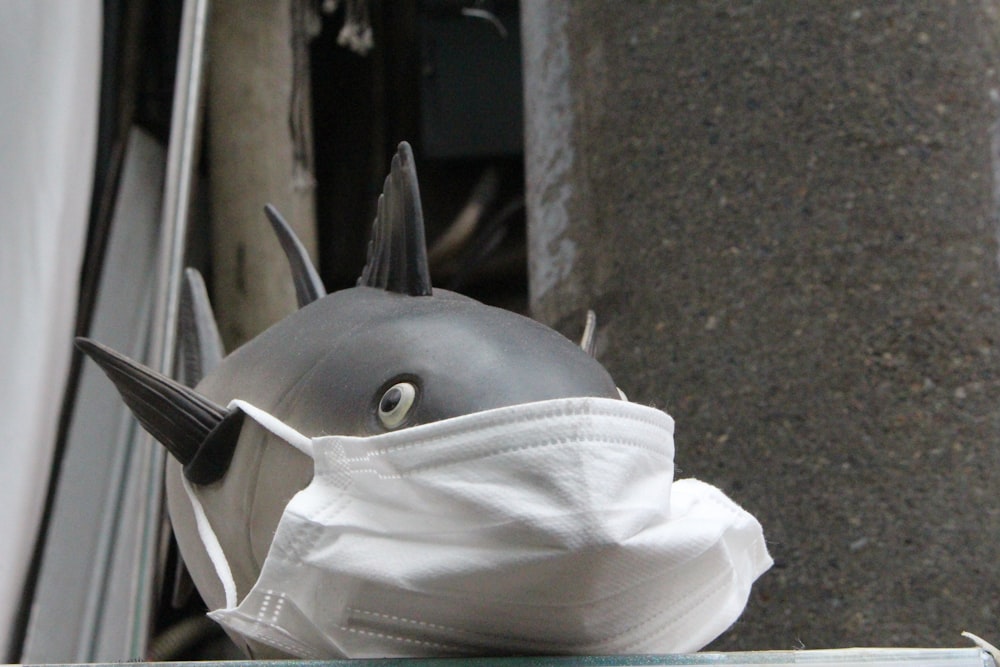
[{"x": 50, "y": 59}]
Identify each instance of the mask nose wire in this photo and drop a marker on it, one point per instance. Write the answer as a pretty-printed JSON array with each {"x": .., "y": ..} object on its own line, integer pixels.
[{"x": 275, "y": 426}]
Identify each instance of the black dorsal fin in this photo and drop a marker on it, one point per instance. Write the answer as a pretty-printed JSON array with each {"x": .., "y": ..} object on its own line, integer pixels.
[
  {"x": 308, "y": 285},
  {"x": 397, "y": 251},
  {"x": 196, "y": 431},
  {"x": 201, "y": 344}
]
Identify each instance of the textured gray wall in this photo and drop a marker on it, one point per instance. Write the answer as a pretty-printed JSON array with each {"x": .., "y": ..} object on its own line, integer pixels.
[{"x": 784, "y": 216}]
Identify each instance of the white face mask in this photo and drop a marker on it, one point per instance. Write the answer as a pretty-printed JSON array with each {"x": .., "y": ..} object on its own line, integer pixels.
[{"x": 550, "y": 527}]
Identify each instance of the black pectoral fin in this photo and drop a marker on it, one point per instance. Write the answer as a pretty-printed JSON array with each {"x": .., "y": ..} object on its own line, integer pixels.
[
  {"x": 308, "y": 285},
  {"x": 212, "y": 459},
  {"x": 190, "y": 426}
]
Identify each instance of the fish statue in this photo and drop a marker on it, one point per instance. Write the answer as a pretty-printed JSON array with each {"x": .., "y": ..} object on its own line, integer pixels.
[{"x": 399, "y": 470}]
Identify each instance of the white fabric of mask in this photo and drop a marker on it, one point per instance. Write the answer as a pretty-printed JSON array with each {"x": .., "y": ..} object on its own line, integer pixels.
[{"x": 552, "y": 527}]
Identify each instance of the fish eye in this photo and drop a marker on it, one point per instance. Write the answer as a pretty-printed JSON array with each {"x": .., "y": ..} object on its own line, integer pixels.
[{"x": 395, "y": 404}]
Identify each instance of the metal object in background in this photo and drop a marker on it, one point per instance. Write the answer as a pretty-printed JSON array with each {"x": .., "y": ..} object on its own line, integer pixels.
[
  {"x": 83, "y": 592},
  {"x": 182, "y": 154},
  {"x": 98, "y": 583},
  {"x": 866, "y": 657}
]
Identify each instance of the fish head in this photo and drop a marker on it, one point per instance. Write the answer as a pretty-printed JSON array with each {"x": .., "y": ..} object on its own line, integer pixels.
[{"x": 389, "y": 354}]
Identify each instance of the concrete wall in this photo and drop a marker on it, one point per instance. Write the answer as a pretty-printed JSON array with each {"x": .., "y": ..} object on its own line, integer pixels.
[{"x": 784, "y": 215}]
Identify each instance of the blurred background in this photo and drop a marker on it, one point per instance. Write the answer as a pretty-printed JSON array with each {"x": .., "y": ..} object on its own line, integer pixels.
[{"x": 783, "y": 214}]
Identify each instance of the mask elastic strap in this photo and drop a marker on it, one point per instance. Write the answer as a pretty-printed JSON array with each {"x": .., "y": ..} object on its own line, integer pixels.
[
  {"x": 212, "y": 546},
  {"x": 275, "y": 426},
  {"x": 208, "y": 537}
]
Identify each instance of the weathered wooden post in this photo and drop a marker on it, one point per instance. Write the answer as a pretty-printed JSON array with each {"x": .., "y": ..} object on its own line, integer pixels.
[{"x": 259, "y": 147}]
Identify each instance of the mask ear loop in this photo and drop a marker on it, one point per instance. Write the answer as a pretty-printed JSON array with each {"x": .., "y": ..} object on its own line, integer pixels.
[
  {"x": 212, "y": 546},
  {"x": 275, "y": 426},
  {"x": 205, "y": 531}
]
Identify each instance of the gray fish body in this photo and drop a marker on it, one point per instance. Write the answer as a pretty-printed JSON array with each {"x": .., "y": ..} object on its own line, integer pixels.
[
  {"x": 323, "y": 370},
  {"x": 388, "y": 354}
]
